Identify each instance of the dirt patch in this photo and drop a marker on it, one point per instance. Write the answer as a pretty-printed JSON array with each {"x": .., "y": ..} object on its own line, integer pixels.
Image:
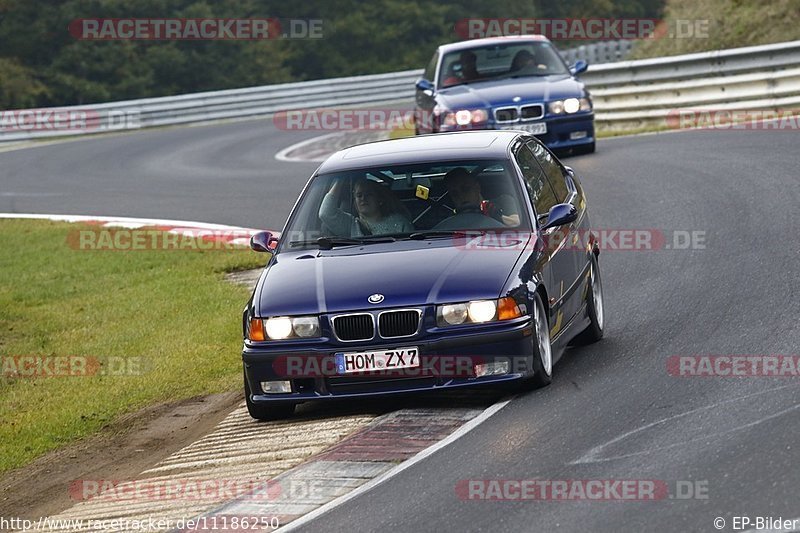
[
  {"x": 244, "y": 277},
  {"x": 132, "y": 444}
]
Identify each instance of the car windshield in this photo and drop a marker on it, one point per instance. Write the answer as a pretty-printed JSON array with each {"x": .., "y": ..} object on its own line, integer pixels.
[
  {"x": 500, "y": 61},
  {"x": 391, "y": 203}
]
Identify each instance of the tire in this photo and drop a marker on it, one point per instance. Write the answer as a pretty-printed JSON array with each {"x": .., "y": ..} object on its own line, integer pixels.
[
  {"x": 270, "y": 411},
  {"x": 594, "y": 307},
  {"x": 542, "y": 350},
  {"x": 587, "y": 149}
]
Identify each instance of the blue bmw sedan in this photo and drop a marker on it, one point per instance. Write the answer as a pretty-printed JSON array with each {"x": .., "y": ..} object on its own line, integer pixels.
[
  {"x": 426, "y": 263},
  {"x": 518, "y": 83}
]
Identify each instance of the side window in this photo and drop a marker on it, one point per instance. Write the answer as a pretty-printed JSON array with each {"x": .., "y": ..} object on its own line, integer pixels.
[
  {"x": 430, "y": 70},
  {"x": 540, "y": 191},
  {"x": 554, "y": 172}
]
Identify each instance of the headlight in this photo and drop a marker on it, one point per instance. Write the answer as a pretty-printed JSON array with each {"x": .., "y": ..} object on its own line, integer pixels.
[
  {"x": 482, "y": 311},
  {"x": 556, "y": 107},
  {"x": 284, "y": 327},
  {"x": 569, "y": 106},
  {"x": 279, "y": 327},
  {"x": 464, "y": 117},
  {"x": 478, "y": 311},
  {"x": 306, "y": 326},
  {"x": 453, "y": 314}
]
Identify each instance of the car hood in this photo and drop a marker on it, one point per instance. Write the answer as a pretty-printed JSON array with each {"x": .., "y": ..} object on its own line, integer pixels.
[
  {"x": 405, "y": 273},
  {"x": 503, "y": 92}
]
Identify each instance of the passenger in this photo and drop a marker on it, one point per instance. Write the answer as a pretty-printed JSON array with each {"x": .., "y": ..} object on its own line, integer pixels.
[
  {"x": 522, "y": 60},
  {"x": 465, "y": 191},
  {"x": 526, "y": 61},
  {"x": 379, "y": 212}
]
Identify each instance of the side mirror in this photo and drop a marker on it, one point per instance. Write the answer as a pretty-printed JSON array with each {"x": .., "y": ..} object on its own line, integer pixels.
[
  {"x": 425, "y": 86},
  {"x": 263, "y": 241},
  {"x": 579, "y": 66},
  {"x": 560, "y": 215}
]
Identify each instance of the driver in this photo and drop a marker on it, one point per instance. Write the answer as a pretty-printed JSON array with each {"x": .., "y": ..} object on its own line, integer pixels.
[
  {"x": 465, "y": 191},
  {"x": 378, "y": 212}
]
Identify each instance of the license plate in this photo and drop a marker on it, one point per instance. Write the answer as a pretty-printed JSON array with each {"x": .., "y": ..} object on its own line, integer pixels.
[
  {"x": 351, "y": 362},
  {"x": 535, "y": 128}
]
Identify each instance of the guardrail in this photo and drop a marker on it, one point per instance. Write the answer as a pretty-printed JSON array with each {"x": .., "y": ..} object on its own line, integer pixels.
[
  {"x": 599, "y": 52},
  {"x": 626, "y": 94},
  {"x": 641, "y": 93}
]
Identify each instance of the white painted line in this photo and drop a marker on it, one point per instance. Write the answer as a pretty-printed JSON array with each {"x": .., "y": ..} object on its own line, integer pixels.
[
  {"x": 595, "y": 454},
  {"x": 282, "y": 155},
  {"x": 424, "y": 454}
]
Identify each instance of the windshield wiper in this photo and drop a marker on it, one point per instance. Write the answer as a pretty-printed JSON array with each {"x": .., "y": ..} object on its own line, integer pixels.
[
  {"x": 433, "y": 234},
  {"x": 532, "y": 75},
  {"x": 326, "y": 243}
]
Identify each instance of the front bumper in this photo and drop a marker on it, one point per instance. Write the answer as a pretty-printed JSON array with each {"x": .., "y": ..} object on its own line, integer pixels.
[
  {"x": 562, "y": 130},
  {"x": 447, "y": 362}
]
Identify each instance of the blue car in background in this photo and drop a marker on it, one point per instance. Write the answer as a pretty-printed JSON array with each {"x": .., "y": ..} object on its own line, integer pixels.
[
  {"x": 426, "y": 263},
  {"x": 518, "y": 83}
]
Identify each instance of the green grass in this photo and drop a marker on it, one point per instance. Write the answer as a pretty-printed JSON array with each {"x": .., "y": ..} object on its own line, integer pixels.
[
  {"x": 731, "y": 24},
  {"x": 170, "y": 310},
  {"x": 398, "y": 133}
]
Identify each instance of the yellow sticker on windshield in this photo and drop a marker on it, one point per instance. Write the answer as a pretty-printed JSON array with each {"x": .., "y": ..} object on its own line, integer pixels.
[{"x": 422, "y": 192}]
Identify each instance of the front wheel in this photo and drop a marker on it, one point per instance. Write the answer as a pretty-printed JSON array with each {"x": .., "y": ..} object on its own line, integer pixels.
[
  {"x": 542, "y": 350},
  {"x": 594, "y": 306},
  {"x": 270, "y": 411}
]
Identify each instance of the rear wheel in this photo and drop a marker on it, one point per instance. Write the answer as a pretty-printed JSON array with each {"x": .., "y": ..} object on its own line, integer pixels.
[
  {"x": 270, "y": 411},
  {"x": 594, "y": 307},
  {"x": 542, "y": 350}
]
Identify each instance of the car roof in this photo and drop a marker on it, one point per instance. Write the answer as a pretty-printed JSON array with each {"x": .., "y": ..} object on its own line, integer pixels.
[
  {"x": 488, "y": 41},
  {"x": 480, "y": 144}
]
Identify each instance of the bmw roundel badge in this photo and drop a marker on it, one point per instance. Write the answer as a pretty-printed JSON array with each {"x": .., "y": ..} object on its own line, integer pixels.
[{"x": 375, "y": 298}]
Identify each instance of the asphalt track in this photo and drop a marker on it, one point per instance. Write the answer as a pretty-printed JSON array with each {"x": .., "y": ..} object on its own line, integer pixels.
[{"x": 613, "y": 410}]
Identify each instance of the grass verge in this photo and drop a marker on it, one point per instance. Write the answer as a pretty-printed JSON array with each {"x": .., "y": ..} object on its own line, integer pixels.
[
  {"x": 601, "y": 133},
  {"x": 134, "y": 328},
  {"x": 730, "y": 24}
]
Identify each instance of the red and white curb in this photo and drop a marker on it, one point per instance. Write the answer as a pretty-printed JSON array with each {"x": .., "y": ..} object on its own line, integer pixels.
[
  {"x": 234, "y": 235},
  {"x": 359, "y": 463}
]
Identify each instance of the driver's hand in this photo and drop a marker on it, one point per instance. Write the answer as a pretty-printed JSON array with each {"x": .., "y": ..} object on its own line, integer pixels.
[{"x": 491, "y": 210}]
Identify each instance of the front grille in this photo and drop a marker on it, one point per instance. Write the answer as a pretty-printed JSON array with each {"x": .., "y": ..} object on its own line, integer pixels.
[
  {"x": 506, "y": 114},
  {"x": 532, "y": 112},
  {"x": 398, "y": 323},
  {"x": 354, "y": 327}
]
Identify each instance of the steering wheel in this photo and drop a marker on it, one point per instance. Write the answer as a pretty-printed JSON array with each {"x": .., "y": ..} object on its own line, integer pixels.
[{"x": 469, "y": 209}]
